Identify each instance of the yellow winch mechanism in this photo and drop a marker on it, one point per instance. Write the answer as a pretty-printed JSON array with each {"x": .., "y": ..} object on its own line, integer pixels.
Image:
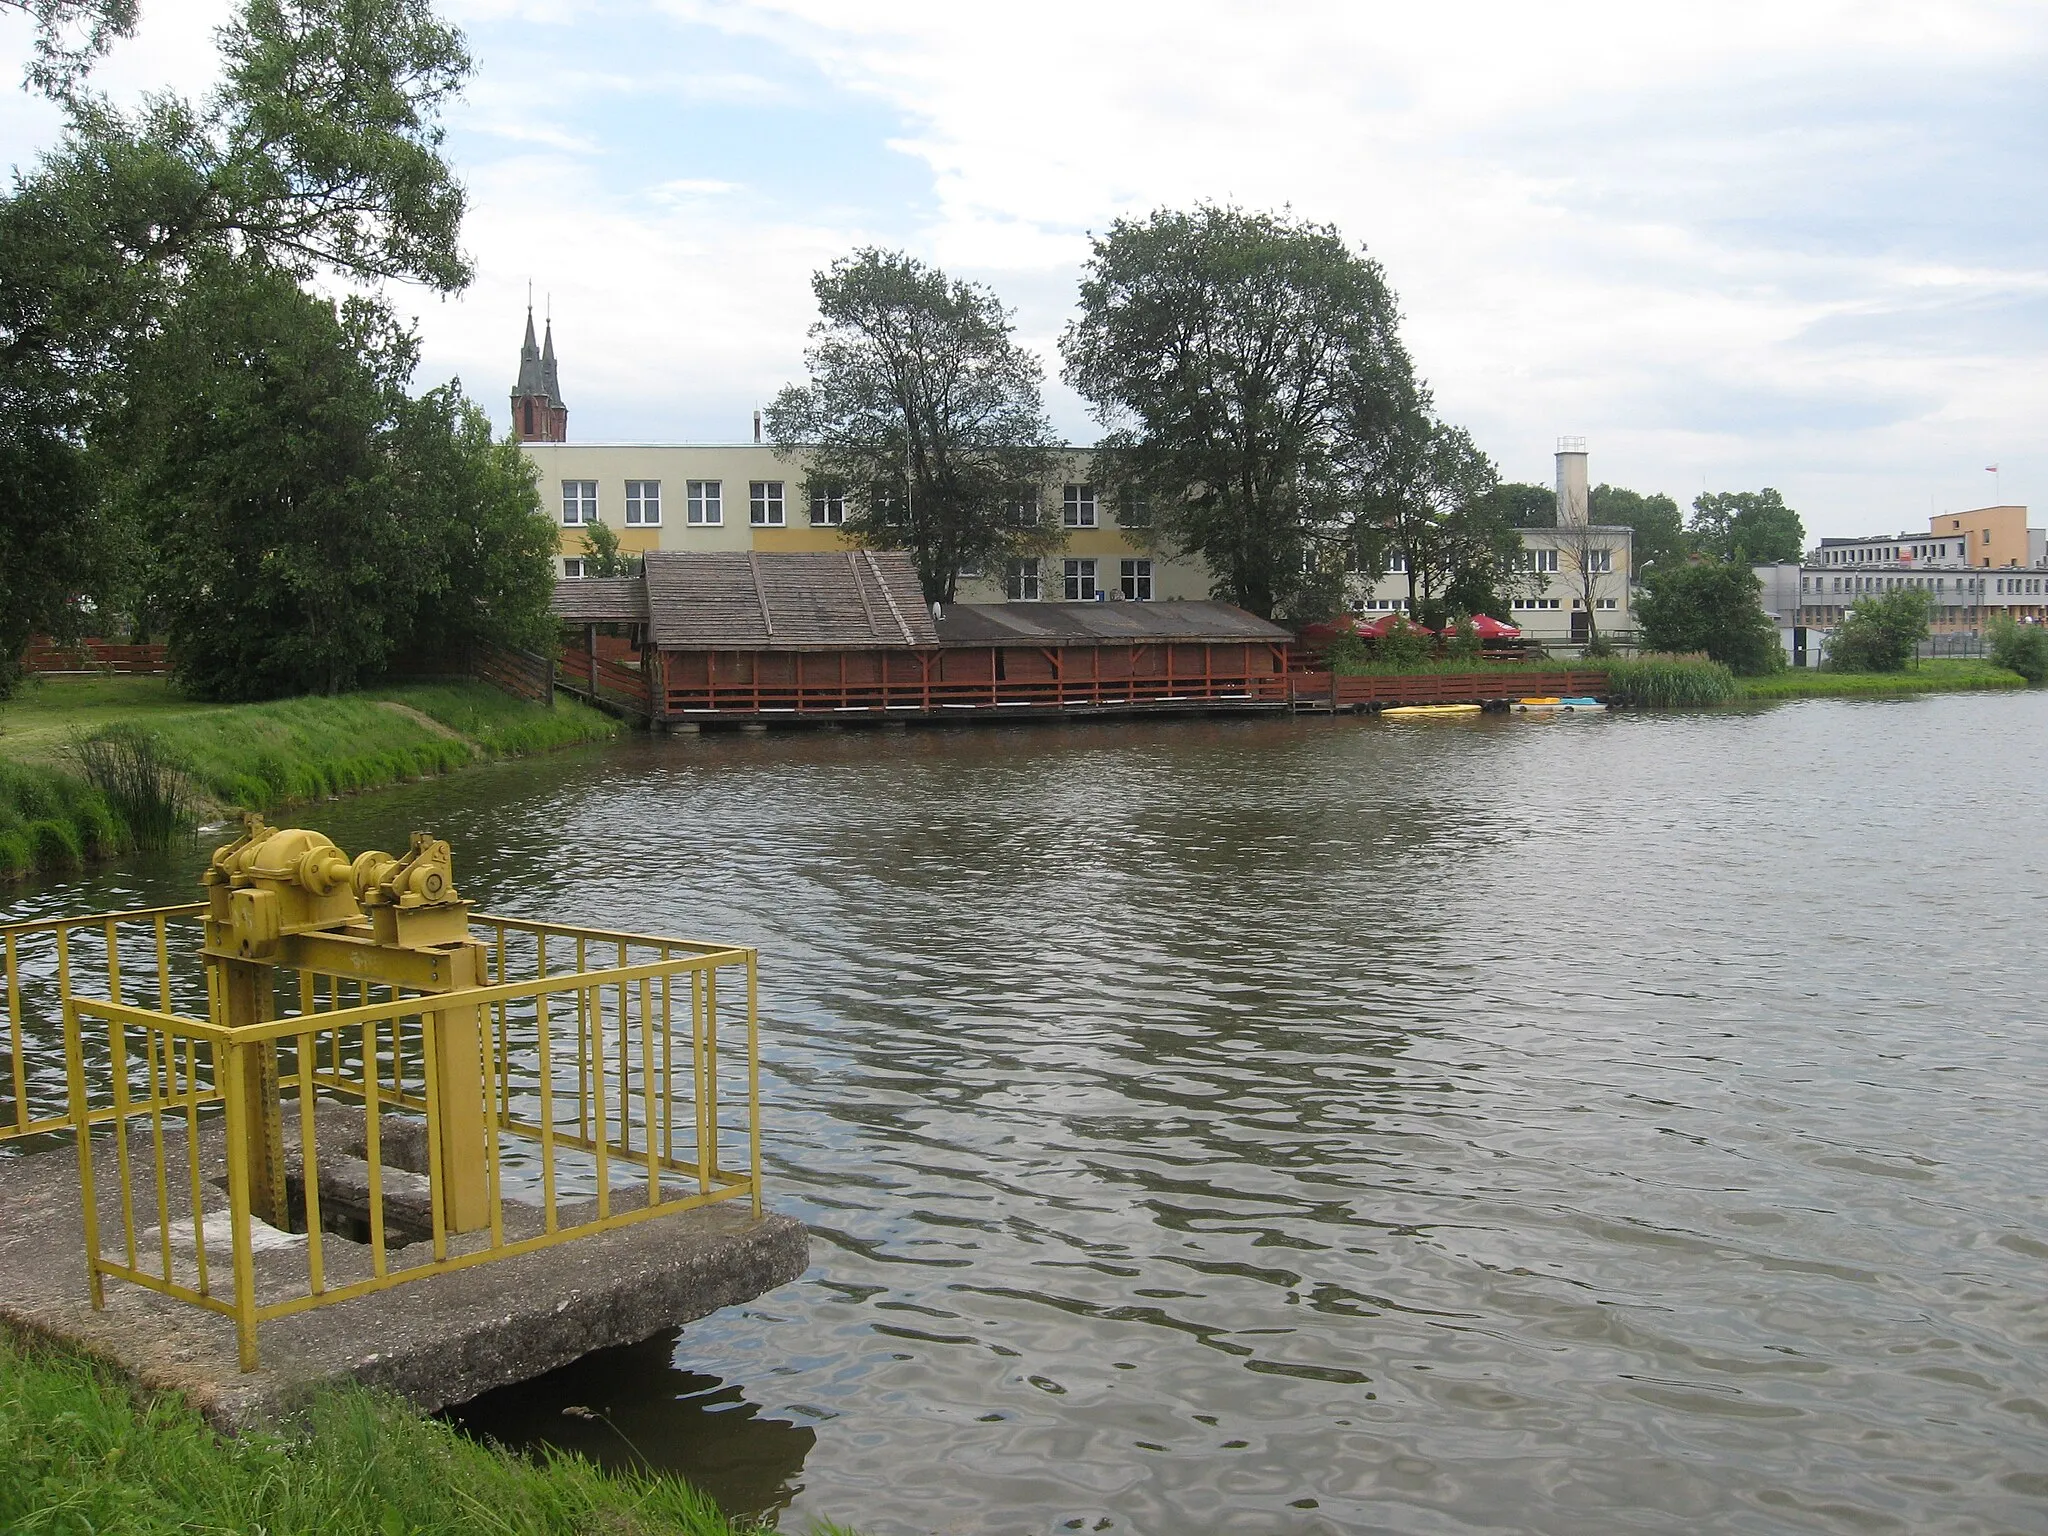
[{"x": 280, "y": 897}]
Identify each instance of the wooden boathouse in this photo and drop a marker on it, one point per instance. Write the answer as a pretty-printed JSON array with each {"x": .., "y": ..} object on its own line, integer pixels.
[{"x": 846, "y": 634}]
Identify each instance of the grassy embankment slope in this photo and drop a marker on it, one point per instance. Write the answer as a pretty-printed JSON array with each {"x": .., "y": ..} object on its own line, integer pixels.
[
  {"x": 1939, "y": 676},
  {"x": 249, "y": 756},
  {"x": 79, "y": 1452}
]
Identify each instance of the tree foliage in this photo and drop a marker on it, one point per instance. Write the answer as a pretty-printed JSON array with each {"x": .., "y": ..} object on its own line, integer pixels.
[
  {"x": 1521, "y": 505},
  {"x": 1428, "y": 497},
  {"x": 1657, "y": 532},
  {"x": 923, "y": 413},
  {"x": 1746, "y": 527},
  {"x": 1246, "y": 367},
  {"x": 1712, "y": 608},
  {"x": 318, "y": 154},
  {"x": 1881, "y": 631},
  {"x": 601, "y": 554},
  {"x": 302, "y": 517},
  {"x": 71, "y": 36}
]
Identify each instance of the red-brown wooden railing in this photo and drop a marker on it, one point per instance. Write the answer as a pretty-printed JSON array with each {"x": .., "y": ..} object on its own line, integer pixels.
[
  {"x": 93, "y": 655},
  {"x": 601, "y": 679}
]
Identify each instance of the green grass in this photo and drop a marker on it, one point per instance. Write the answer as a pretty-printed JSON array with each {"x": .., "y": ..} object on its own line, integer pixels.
[
  {"x": 80, "y": 1453},
  {"x": 258, "y": 757},
  {"x": 50, "y": 820},
  {"x": 1928, "y": 677}
]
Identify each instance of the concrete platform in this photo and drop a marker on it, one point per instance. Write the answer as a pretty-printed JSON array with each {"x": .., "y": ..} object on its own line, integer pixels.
[{"x": 438, "y": 1340}]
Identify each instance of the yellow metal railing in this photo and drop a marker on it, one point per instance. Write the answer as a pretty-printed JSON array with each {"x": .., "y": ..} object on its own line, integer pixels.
[
  {"x": 43, "y": 961},
  {"x": 612, "y": 1091}
]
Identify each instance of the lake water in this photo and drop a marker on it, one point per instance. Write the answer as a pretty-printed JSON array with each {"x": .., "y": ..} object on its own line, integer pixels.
[{"x": 1605, "y": 1124}]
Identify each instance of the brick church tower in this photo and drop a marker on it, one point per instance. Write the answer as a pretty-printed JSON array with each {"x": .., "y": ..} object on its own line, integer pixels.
[{"x": 538, "y": 414}]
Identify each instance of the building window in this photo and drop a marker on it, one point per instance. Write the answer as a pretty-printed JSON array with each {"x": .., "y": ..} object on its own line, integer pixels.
[
  {"x": 707, "y": 505},
  {"x": 764, "y": 503},
  {"x": 1539, "y": 560},
  {"x": 1020, "y": 581},
  {"x": 1599, "y": 561},
  {"x": 1137, "y": 580},
  {"x": 1023, "y": 510},
  {"x": 572, "y": 568},
  {"x": 1396, "y": 561},
  {"x": 1134, "y": 509},
  {"x": 1077, "y": 506},
  {"x": 828, "y": 506},
  {"x": 1080, "y": 581},
  {"x": 579, "y": 502},
  {"x": 1606, "y": 603},
  {"x": 643, "y": 503}
]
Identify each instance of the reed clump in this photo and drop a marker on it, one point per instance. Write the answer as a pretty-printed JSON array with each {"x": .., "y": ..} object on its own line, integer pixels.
[
  {"x": 142, "y": 783},
  {"x": 51, "y": 821},
  {"x": 1668, "y": 682}
]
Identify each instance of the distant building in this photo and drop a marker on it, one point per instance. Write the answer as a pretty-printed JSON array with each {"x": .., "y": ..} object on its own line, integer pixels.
[
  {"x": 1561, "y": 568},
  {"x": 1973, "y": 564}
]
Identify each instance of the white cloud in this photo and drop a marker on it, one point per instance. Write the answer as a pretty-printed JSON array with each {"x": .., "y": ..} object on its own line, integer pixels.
[{"x": 1739, "y": 244}]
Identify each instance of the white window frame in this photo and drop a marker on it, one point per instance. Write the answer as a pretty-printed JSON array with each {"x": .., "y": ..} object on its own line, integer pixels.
[
  {"x": 1021, "y": 580},
  {"x": 1026, "y": 510},
  {"x": 765, "y": 505},
  {"x": 1134, "y": 580},
  {"x": 643, "y": 503},
  {"x": 706, "y": 501},
  {"x": 1599, "y": 562},
  {"x": 1133, "y": 509},
  {"x": 1078, "y": 579},
  {"x": 572, "y": 568},
  {"x": 828, "y": 507},
  {"x": 579, "y": 503},
  {"x": 1077, "y": 506}
]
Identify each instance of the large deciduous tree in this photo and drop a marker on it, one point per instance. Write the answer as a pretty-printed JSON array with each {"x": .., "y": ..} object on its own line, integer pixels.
[
  {"x": 1746, "y": 527},
  {"x": 921, "y": 413},
  {"x": 1235, "y": 359},
  {"x": 302, "y": 517},
  {"x": 1658, "y": 533},
  {"x": 317, "y": 155},
  {"x": 1712, "y": 607}
]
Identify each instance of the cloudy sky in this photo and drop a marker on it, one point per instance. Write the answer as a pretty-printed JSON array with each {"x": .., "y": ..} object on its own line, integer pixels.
[{"x": 1797, "y": 243}]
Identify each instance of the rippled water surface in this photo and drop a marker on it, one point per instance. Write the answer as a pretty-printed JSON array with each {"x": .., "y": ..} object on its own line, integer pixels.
[{"x": 1271, "y": 1126}]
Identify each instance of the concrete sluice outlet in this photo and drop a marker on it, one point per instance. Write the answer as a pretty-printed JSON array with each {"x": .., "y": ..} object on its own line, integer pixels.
[{"x": 332, "y": 1124}]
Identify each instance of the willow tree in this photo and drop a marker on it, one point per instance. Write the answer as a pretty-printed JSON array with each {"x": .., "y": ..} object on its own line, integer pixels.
[
  {"x": 1232, "y": 357},
  {"x": 922, "y": 416}
]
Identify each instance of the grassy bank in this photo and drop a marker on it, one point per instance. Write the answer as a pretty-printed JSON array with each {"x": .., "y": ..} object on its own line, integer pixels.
[
  {"x": 1941, "y": 676},
  {"x": 248, "y": 756},
  {"x": 80, "y": 1453}
]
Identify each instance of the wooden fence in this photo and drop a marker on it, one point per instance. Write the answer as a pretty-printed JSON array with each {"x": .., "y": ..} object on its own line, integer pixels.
[
  {"x": 1321, "y": 690},
  {"x": 602, "y": 681},
  {"x": 94, "y": 655}
]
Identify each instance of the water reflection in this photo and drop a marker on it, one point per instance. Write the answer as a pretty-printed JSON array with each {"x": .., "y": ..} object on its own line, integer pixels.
[
  {"x": 1628, "y": 1123},
  {"x": 635, "y": 1406}
]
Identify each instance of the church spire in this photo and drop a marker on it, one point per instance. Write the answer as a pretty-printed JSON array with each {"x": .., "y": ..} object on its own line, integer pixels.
[{"x": 538, "y": 415}]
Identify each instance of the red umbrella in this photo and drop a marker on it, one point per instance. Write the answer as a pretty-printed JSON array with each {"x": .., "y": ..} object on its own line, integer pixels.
[
  {"x": 1378, "y": 627},
  {"x": 1493, "y": 629},
  {"x": 1316, "y": 636}
]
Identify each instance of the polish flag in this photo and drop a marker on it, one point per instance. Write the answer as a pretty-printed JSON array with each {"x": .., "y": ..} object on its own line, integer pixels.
[{"x": 1990, "y": 469}]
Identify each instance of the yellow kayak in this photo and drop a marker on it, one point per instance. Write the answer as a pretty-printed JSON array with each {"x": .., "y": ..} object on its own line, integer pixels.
[{"x": 1410, "y": 711}]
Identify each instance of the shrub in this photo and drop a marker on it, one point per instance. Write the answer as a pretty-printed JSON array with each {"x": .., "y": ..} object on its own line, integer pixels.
[
  {"x": 1403, "y": 645},
  {"x": 1344, "y": 653},
  {"x": 1714, "y": 609},
  {"x": 2021, "y": 648},
  {"x": 1464, "y": 641},
  {"x": 1881, "y": 632},
  {"x": 1668, "y": 682}
]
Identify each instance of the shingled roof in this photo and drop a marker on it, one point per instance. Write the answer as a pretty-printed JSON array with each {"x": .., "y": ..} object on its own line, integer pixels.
[
  {"x": 785, "y": 600},
  {"x": 601, "y": 600},
  {"x": 1101, "y": 623}
]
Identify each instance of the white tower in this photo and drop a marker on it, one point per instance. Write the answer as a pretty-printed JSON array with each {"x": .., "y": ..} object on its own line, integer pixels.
[{"x": 1571, "y": 482}]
